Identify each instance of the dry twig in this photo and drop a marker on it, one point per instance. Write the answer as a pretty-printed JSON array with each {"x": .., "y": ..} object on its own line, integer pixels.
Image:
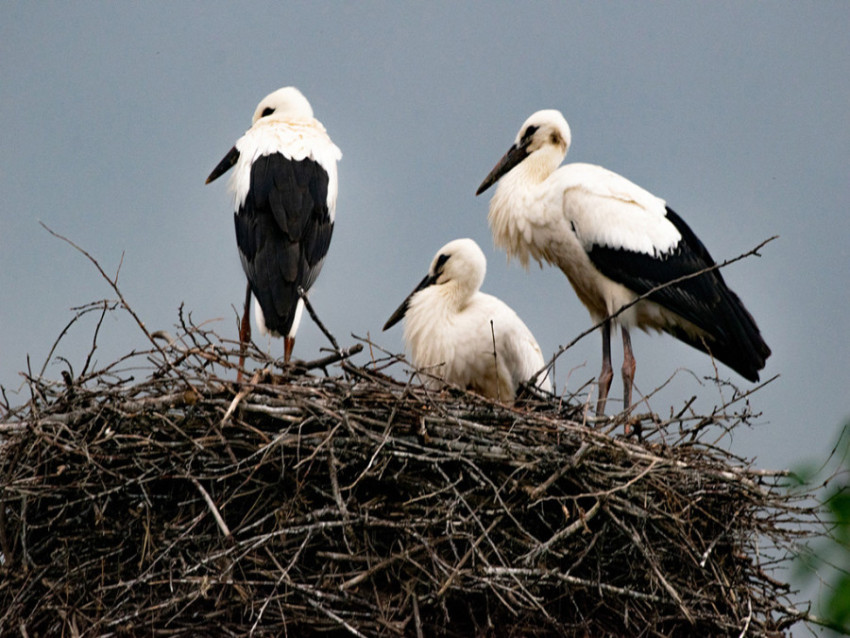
[
  {"x": 361, "y": 505},
  {"x": 367, "y": 506}
]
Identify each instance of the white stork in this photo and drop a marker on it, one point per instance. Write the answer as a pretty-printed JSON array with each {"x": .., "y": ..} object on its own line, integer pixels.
[
  {"x": 284, "y": 197},
  {"x": 615, "y": 241},
  {"x": 464, "y": 336}
]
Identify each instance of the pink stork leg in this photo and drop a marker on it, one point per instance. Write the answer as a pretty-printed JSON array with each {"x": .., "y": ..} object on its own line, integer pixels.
[
  {"x": 607, "y": 373},
  {"x": 244, "y": 333},
  {"x": 629, "y": 367}
]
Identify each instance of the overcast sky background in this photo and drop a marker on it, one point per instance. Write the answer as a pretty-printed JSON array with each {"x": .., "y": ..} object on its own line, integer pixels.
[{"x": 113, "y": 114}]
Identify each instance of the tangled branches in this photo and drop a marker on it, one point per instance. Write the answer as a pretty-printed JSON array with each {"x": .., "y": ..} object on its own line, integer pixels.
[{"x": 356, "y": 504}]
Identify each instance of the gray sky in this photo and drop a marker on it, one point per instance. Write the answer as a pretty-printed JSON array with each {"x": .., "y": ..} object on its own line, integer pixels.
[{"x": 113, "y": 114}]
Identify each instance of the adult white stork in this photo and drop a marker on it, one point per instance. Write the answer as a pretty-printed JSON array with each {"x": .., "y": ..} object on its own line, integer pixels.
[
  {"x": 464, "y": 336},
  {"x": 615, "y": 241},
  {"x": 284, "y": 197}
]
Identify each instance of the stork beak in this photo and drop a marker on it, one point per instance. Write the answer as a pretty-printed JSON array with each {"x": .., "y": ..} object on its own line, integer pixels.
[
  {"x": 513, "y": 157},
  {"x": 398, "y": 315},
  {"x": 224, "y": 165}
]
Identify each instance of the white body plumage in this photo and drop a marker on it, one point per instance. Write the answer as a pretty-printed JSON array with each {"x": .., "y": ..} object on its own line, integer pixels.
[
  {"x": 615, "y": 242},
  {"x": 291, "y": 131},
  {"x": 556, "y": 215},
  {"x": 284, "y": 190},
  {"x": 463, "y": 336}
]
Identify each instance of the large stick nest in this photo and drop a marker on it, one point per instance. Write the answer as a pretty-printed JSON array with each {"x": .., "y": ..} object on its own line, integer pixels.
[{"x": 157, "y": 496}]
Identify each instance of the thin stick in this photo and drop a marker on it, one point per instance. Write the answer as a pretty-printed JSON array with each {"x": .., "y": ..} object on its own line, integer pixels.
[
  {"x": 324, "y": 362},
  {"x": 80, "y": 312},
  {"x": 218, "y": 519},
  {"x": 244, "y": 392},
  {"x": 114, "y": 285},
  {"x": 316, "y": 319}
]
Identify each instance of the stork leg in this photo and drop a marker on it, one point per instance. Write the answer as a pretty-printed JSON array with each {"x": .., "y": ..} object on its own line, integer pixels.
[
  {"x": 629, "y": 366},
  {"x": 288, "y": 344},
  {"x": 244, "y": 333},
  {"x": 607, "y": 373}
]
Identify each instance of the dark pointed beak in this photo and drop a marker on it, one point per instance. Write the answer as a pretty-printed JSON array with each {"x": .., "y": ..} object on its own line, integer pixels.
[
  {"x": 513, "y": 157},
  {"x": 224, "y": 165},
  {"x": 398, "y": 315}
]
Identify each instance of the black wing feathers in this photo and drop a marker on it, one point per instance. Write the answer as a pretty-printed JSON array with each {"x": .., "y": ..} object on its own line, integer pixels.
[
  {"x": 704, "y": 300},
  {"x": 283, "y": 231}
]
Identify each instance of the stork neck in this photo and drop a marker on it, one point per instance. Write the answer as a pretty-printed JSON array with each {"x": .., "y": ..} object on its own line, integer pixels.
[
  {"x": 514, "y": 189},
  {"x": 516, "y": 199},
  {"x": 456, "y": 295},
  {"x": 432, "y": 309},
  {"x": 537, "y": 167}
]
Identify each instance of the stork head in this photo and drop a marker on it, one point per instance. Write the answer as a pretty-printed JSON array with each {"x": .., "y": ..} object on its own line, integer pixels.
[
  {"x": 286, "y": 103},
  {"x": 460, "y": 262},
  {"x": 543, "y": 139},
  {"x": 459, "y": 266}
]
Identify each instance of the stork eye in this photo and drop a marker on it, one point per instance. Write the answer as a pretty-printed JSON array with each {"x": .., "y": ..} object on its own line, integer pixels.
[
  {"x": 267, "y": 111},
  {"x": 555, "y": 139},
  {"x": 441, "y": 261},
  {"x": 529, "y": 133}
]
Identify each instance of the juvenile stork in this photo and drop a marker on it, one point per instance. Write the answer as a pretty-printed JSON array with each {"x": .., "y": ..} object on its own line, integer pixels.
[
  {"x": 464, "y": 336},
  {"x": 284, "y": 197},
  {"x": 615, "y": 241}
]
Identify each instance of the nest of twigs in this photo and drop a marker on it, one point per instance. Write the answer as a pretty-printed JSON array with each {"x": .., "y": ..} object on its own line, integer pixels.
[{"x": 158, "y": 497}]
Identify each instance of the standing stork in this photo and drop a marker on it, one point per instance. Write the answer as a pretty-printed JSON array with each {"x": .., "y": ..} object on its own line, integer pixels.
[
  {"x": 464, "y": 336},
  {"x": 284, "y": 195},
  {"x": 615, "y": 242}
]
